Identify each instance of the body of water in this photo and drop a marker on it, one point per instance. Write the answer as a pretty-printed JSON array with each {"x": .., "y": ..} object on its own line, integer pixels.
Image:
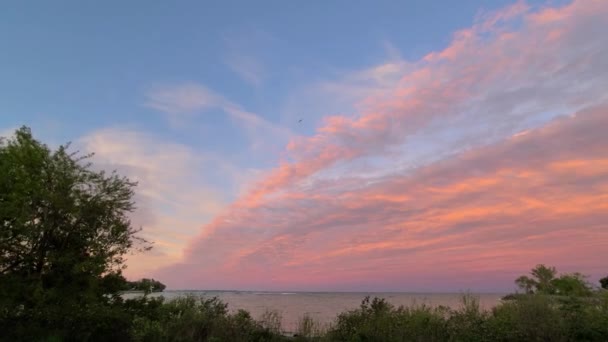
[{"x": 323, "y": 307}]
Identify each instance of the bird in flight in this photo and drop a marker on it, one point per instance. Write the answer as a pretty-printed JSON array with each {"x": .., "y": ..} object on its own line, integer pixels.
[{"x": 299, "y": 121}]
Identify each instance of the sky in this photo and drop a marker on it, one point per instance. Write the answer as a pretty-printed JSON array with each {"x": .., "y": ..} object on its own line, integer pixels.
[{"x": 331, "y": 146}]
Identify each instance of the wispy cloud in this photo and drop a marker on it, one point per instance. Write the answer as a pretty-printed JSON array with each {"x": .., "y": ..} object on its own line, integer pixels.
[
  {"x": 181, "y": 99},
  {"x": 177, "y": 190},
  {"x": 348, "y": 92},
  {"x": 245, "y": 52},
  {"x": 493, "y": 195},
  {"x": 482, "y": 87},
  {"x": 191, "y": 99},
  {"x": 514, "y": 203},
  {"x": 247, "y": 67}
]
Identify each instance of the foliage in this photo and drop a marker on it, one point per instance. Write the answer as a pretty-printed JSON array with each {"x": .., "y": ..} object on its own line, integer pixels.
[
  {"x": 146, "y": 285},
  {"x": 271, "y": 321},
  {"x": 529, "y": 318},
  {"x": 469, "y": 322},
  {"x": 574, "y": 284},
  {"x": 64, "y": 232},
  {"x": 527, "y": 284},
  {"x": 196, "y": 319},
  {"x": 378, "y": 320},
  {"x": 114, "y": 282},
  {"x": 550, "y": 318},
  {"x": 604, "y": 282},
  {"x": 540, "y": 282},
  {"x": 309, "y": 330},
  {"x": 544, "y": 281}
]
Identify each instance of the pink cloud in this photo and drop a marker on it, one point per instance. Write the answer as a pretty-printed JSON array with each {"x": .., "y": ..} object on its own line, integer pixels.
[
  {"x": 499, "y": 206},
  {"x": 478, "y": 71},
  {"x": 540, "y": 197}
]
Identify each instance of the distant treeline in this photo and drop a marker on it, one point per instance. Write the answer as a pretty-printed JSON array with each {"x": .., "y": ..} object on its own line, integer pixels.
[{"x": 146, "y": 285}]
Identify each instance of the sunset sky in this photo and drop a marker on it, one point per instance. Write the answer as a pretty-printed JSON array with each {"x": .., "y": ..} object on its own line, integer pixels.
[{"x": 440, "y": 148}]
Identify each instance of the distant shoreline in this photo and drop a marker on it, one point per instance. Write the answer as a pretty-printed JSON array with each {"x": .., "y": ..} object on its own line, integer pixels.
[
  {"x": 344, "y": 292},
  {"x": 139, "y": 291}
]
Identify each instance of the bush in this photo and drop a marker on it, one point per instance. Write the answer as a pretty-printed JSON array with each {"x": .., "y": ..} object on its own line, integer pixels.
[
  {"x": 469, "y": 322},
  {"x": 271, "y": 321},
  {"x": 530, "y": 318},
  {"x": 308, "y": 329},
  {"x": 196, "y": 319},
  {"x": 527, "y": 318},
  {"x": 87, "y": 322},
  {"x": 378, "y": 320}
]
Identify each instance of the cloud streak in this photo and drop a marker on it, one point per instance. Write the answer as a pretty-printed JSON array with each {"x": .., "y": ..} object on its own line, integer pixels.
[
  {"x": 245, "y": 52},
  {"x": 247, "y": 67},
  {"x": 187, "y": 100},
  {"x": 502, "y": 207},
  {"x": 483, "y": 85},
  {"x": 514, "y": 107},
  {"x": 175, "y": 191}
]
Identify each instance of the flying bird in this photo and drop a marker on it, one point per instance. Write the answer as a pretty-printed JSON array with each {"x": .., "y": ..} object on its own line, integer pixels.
[{"x": 299, "y": 120}]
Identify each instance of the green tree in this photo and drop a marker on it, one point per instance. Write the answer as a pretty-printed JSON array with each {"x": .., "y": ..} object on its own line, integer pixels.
[
  {"x": 540, "y": 282},
  {"x": 604, "y": 282},
  {"x": 64, "y": 232},
  {"x": 544, "y": 276},
  {"x": 526, "y": 283},
  {"x": 146, "y": 285},
  {"x": 574, "y": 284}
]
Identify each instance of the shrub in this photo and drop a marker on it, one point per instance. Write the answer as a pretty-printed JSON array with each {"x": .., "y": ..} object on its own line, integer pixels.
[
  {"x": 378, "y": 320},
  {"x": 468, "y": 323},
  {"x": 309, "y": 330},
  {"x": 193, "y": 318},
  {"x": 271, "y": 321},
  {"x": 530, "y": 318}
]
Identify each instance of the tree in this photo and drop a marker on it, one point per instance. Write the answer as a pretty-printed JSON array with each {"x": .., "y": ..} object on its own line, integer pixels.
[
  {"x": 146, "y": 285},
  {"x": 604, "y": 282},
  {"x": 574, "y": 284},
  {"x": 544, "y": 276},
  {"x": 526, "y": 283},
  {"x": 541, "y": 281},
  {"x": 544, "y": 281},
  {"x": 64, "y": 228}
]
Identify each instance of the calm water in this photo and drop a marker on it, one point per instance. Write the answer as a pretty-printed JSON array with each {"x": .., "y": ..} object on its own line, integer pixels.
[{"x": 323, "y": 307}]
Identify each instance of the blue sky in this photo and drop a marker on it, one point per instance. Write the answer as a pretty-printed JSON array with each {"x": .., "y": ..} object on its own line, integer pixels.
[
  {"x": 89, "y": 64},
  {"x": 200, "y": 102},
  {"x": 69, "y": 68}
]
